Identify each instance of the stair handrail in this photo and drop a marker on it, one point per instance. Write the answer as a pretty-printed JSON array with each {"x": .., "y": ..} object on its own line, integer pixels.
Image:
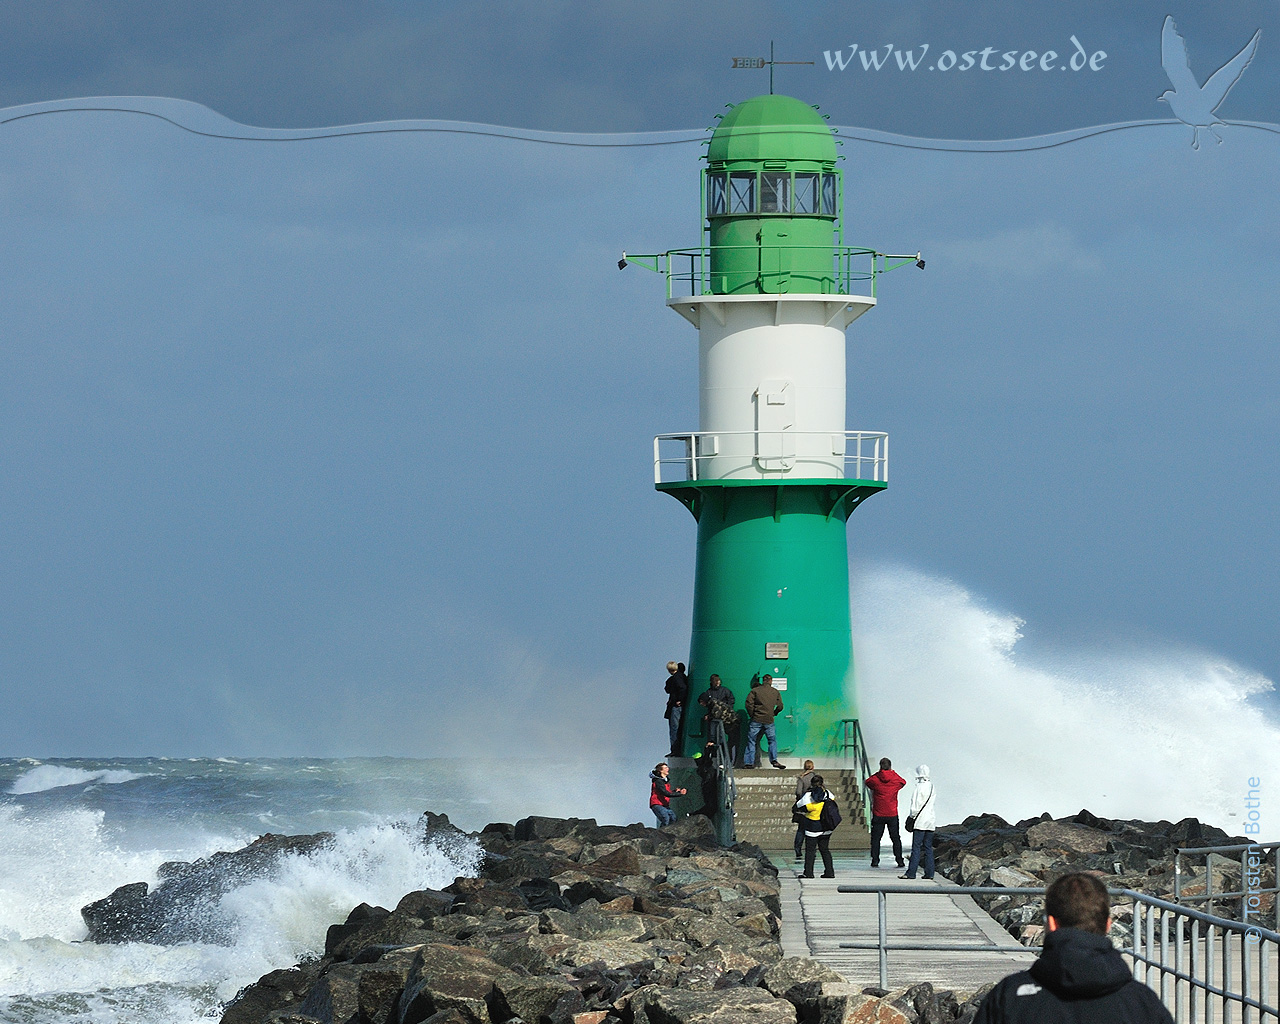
[
  {"x": 726, "y": 786},
  {"x": 851, "y": 739}
]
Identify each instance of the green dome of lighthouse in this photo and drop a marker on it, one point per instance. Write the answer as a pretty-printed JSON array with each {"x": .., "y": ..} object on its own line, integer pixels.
[{"x": 772, "y": 128}]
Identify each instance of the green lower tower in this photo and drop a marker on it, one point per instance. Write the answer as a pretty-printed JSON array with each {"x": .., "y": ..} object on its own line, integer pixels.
[{"x": 771, "y": 595}]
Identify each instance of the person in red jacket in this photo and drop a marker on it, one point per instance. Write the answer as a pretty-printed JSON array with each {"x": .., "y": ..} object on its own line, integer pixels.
[
  {"x": 884, "y": 786},
  {"x": 661, "y": 793}
]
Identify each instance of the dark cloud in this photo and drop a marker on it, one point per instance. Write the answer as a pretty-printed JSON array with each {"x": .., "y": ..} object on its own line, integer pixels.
[{"x": 576, "y": 65}]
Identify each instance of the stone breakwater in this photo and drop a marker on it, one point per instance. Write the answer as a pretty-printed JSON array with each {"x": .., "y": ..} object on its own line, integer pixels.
[
  {"x": 568, "y": 922},
  {"x": 986, "y": 850}
]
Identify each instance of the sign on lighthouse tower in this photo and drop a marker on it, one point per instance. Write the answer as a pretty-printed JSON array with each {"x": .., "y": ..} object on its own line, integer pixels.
[{"x": 772, "y": 473}]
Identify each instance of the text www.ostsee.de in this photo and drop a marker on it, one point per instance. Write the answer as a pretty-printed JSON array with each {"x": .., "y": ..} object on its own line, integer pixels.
[{"x": 989, "y": 58}]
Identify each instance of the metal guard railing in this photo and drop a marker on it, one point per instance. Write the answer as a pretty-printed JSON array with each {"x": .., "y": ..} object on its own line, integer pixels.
[
  {"x": 1181, "y": 985},
  {"x": 864, "y": 452},
  {"x": 688, "y": 271},
  {"x": 1250, "y": 896}
]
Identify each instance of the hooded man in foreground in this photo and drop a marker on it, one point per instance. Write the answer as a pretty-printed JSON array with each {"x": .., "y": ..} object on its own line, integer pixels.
[{"x": 1080, "y": 976}]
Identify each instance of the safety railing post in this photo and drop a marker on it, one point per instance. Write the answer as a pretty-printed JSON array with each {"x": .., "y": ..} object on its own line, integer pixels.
[
  {"x": 1264, "y": 976},
  {"x": 1164, "y": 956},
  {"x": 1226, "y": 976},
  {"x": 1192, "y": 1004},
  {"x": 1209, "y": 965},
  {"x": 882, "y": 912},
  {"x": 1246, "y": 986},
  {"x": 1208, "y": 884},
  {"x": 1135, "y": 940},
  {"x": 1150, "y": 941}
]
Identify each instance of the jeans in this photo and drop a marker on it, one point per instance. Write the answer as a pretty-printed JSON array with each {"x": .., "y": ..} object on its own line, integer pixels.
[
  {"x": 666, "y": 816},
  {"x": 799, "y": 840},
  {"x": 921, "y": 844},
  {"x": 673, "y": 724},
  {"x": 753, "y": 734},
  {"x": 820, "y": 844},
  {"x": 878, "y": 825}
]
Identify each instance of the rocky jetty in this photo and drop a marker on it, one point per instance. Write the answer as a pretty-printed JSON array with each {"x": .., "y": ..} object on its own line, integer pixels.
[
  {"x": 986, "y": 850},
  {"x": 568, "y": 922}
]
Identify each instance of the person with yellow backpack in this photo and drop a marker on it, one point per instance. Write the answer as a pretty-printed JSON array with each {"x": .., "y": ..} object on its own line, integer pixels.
[{"x": 822, "y": 818}]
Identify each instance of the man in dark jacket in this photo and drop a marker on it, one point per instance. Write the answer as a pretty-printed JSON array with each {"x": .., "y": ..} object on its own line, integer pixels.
[
  {"x": 677, "y": 688},
  {"x": 718, "y": 699},
  {"x": 884, "y": 786},
  {"x": 1080, "y": 977},
  {"x": 764, "y": 703}
]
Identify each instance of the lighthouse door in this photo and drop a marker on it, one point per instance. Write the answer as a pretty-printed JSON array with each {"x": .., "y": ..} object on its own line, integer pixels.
[{"x": 775, "y": 420}]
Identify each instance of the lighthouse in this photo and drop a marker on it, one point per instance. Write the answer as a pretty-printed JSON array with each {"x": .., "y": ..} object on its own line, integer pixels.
[{"x": 772, "y": 474}]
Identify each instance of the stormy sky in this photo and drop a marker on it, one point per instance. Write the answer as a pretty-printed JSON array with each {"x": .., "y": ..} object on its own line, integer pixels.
[{"x": 343, "y": 445}]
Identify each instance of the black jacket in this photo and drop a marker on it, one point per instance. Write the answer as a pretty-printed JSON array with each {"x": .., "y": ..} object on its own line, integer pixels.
[
  {"x": 677, "y": 688},
  {"x": 1080, "y": 977}
]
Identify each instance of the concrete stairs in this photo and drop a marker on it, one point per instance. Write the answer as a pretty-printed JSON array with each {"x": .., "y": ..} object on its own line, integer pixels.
[{"x": 762, "y": 812}]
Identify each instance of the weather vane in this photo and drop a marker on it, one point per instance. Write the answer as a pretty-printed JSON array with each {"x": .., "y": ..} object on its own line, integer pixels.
[{"x": 760, "y": 62}]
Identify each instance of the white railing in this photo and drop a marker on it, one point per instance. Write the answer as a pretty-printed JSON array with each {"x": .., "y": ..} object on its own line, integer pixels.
[{"x": 780, "y": 454}]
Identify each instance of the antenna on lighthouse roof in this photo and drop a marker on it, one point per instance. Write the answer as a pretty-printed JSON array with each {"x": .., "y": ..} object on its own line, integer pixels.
[{"x": 759, "y": 62}]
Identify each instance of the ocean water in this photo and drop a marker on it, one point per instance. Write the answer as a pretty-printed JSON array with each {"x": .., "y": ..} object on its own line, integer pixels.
[{"x": 73, "y": 830}]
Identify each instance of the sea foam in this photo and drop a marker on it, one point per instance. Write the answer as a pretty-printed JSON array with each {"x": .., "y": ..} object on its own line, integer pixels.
[
  {"x": 1137, "y": 733},
  {"x": 55, "y": 861},
  {"x": 55, "y": 776}
]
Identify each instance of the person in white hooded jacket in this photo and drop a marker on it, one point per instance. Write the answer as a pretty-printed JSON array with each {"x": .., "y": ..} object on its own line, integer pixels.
[{"x": 924, "y": 810}]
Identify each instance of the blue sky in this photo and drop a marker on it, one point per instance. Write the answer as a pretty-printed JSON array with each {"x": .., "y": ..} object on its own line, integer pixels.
[{"x": 342, "y": 446}]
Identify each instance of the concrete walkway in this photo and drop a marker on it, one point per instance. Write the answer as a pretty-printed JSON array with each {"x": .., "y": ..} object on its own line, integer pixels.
[{"x": 816, "y": 919}]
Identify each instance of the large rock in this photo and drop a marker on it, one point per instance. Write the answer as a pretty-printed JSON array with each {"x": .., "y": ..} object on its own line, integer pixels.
[
  {"x": 726, "y": 1006},
  {"x": 538, "y": 827},
  {"x": 335, "y": 997},
  {"x": 448, "y": 978},
  {"x": 184, "y": 907},
  {"x": 530, "y": 999},
  {"x": 792, "y": 971},
  {"x": 1062, "y": 835},
  {"x": 381, "y": 982},
  {"x": 1011, "y": 878},
  {"x": 278, "y": 990}
]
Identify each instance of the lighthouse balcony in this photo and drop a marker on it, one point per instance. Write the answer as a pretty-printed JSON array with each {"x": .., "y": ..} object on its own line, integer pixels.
[
  {"x": 764, "y": 268},
  {"x": 780, "y": 456}
]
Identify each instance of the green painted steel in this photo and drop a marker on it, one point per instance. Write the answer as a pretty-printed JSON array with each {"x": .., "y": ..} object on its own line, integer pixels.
[
  {"x": 773, "y": 567},
  {"x": 772, "y": 128},
  {"x": 772, "y": 194}
]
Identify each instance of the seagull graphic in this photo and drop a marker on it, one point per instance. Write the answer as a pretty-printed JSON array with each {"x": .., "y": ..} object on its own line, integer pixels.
[{"x": 1192, "y": 103}]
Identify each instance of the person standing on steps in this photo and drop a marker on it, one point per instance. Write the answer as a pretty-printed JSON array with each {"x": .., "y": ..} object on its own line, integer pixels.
[
  {"x": 884, "y": 786},
  {"x": 764, "y": 704},
  {"x": 921, "y": 822},
  {"x": 661, "y": 793},
  {"x": 804, "y": 782},
  {"x": 677, "y": 688},
  {"x": 817, "y": 838}
]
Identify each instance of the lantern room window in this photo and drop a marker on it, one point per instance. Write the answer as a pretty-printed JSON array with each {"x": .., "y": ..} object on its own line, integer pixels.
[
  {"x": 742, "y": 193},
  {"x": 775, "y": 193},
  {"x": 829, "y": 195},
  {"x": 716, "y": 198},
  {"x": 806, "y": 193}
]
